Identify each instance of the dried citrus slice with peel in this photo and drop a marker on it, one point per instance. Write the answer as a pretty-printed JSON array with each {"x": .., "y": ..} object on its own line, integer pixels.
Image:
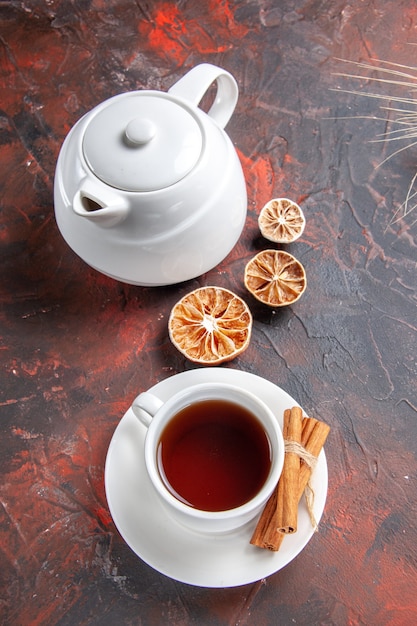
[
  {"x": 275, "y": 278},
  {"x": 281, "y": 220},
  {"x": 210, "y": 325}
]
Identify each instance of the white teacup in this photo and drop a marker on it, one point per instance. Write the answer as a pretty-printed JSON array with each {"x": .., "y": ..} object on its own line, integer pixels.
[{"x": 233, "y": 432}]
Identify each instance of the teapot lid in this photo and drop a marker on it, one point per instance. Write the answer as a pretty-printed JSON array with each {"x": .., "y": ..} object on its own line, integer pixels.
[{"x": 142, "y": 141}]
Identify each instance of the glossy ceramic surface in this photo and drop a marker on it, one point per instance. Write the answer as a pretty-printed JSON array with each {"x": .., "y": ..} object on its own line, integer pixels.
[
  {"x": 148, "y": 188},
  {"x": 155, "y": 418},
  {"x": 202, "y": 559}
]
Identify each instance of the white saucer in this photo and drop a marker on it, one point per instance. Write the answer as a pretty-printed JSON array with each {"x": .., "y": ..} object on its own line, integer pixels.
[{"x": 197, "y": 559}]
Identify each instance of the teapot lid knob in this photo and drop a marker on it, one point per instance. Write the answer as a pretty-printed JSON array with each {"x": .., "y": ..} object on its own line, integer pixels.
[{"x": 140, "y": 131}]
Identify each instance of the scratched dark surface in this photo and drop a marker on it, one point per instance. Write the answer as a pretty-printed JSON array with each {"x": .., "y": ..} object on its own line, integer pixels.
[{"x": 77, "y": 346}]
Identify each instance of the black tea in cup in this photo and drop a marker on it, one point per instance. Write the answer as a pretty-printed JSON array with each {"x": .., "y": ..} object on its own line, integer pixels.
[{"x": 214, "y": 455}]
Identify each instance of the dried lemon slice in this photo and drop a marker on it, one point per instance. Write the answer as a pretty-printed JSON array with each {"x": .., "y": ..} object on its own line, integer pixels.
[
  {"x": 210, "y": 325},
  {"x": 275, "y": 277},
  {"x": 281, "y": 220}
]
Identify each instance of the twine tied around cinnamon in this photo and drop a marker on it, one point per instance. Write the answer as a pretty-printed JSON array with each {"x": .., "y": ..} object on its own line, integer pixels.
[
  {"x": 304, "y": 438},
  {"x": 311, "y": 461}
]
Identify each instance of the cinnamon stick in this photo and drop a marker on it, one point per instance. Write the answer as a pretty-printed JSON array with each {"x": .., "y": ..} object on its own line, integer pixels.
[
  {"x": 281, "y": 510},
  {"x": 266, "y": 534},
  {"x": 287, "y": 497},
  {"x": 313, "y": 439}
]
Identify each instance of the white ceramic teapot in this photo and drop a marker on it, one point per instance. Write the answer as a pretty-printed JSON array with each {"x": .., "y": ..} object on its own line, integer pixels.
[{"x": 148, "y": 187}]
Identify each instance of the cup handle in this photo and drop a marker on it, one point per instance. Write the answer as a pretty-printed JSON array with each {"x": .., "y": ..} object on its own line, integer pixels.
[
  {"x": 196, "y": 82},
  {"x": 144, "y": 406}
]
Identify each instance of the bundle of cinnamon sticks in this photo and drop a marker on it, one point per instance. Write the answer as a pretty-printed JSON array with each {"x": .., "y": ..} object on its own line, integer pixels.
[{"x": 304, "y": 438}]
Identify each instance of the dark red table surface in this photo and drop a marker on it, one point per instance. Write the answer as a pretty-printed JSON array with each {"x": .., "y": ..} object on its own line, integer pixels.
[{"x": 77, "y": 346}]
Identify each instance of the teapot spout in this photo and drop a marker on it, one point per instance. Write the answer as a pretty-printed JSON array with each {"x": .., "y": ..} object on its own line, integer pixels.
[{"x": 105, "y": 211}]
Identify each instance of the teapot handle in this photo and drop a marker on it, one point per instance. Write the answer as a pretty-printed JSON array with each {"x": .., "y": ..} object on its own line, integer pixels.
[{"x": 196, "y": 82}]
